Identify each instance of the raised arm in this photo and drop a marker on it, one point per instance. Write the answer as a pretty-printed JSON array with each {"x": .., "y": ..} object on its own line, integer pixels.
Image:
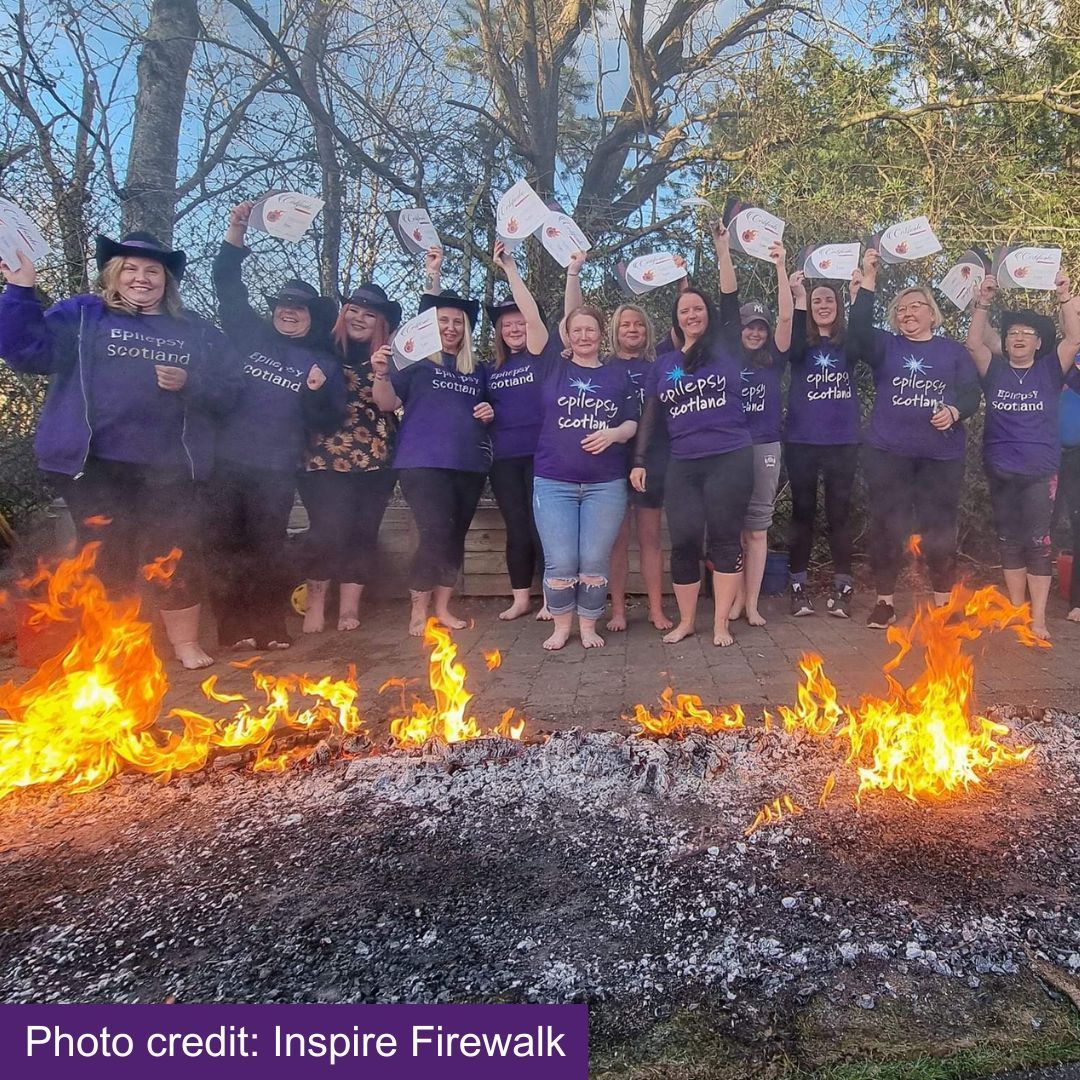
[
  {"x": 785, "y": 302},
  {"x": 433, "y": 270},
  {"x": 382, "y": 390},
  {"x": 797, "y": 285},
  {"x": 238, "y": 318},
  {"x": 863, "y": 340},
  {"x": 536, "y": 333},
  {"x": 572, "y": 298},
  {"x": 27, "y": 337},
  {"x": 1069, "y": 345},
  {"x": 722, "y": 245},
  {"x": 976, "y": 342}
]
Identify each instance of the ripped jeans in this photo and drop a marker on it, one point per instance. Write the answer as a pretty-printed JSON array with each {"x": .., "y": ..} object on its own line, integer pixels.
[{"x": 578, "y": 524}]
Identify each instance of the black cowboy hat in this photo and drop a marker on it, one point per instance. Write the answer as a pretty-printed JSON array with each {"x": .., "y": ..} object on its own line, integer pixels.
[
  {"x": 449, "y": 298},
  {"x": 369, "y": 295},
  {"x": 297, "y": 293},
  {"x": 1043, "y": 325},
  {"x": 143, "y": 244},
  {"x": 504, "y": 307}
]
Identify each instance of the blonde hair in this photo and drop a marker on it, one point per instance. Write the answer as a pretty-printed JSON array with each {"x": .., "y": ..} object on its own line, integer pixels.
[
  {"x": 649, "y": 352},
  {"x": 109, "y": 279},
  {"x": 915, "y": 290},
  {"x": 498, "y": 345},
  {"x": 466, "y": 357}
]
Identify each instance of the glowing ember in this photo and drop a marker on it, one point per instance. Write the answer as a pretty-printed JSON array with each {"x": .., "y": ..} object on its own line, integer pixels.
[
  {"x": 914, "y": 545},
  {"x": 163, "y": 567},
  {"x": 447, "y": 720},
  {"x": 773, "y": 813},
  {"x": 681, "y": 712},
  {"x": 493, "y": 659}
]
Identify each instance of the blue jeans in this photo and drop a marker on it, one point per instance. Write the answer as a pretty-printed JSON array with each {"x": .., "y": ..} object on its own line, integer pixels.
[{"x": 578, "y": 524}]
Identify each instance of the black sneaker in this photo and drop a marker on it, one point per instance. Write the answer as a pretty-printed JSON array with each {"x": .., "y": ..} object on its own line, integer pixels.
[
  {"x": 882, "y": 616},
  {"x": 839, "y": 604},
  {"x": 801, "y": 604}
]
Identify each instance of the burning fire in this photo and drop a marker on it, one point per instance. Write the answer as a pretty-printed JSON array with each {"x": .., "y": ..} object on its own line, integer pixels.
[
  {"x": 493, "y": 659},
  {"x": 914, "y": 545},
  {"x": 163, "y": 567},
  {"x": 681, "y": 712},
  {"x": 95, "y": 708},
  {"x": 773, "y": 813}
]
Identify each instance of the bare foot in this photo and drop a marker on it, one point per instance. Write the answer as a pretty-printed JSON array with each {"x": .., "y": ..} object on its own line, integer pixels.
[
  {"x": 1040, "y": 632},
  {"x": 314, "y": 621},
  {"x": 722, "y": 638},
  {"x": 451, "y": 622},
  {"x": 515, "y": 611},
  {"x": 418, "y": 615},
  {"x": 590, "y": 639},
  {"x": 617, "y": 622},
  {"x": 348, "y": 622},
  {"x": 754, "y": 618},
  {"x": 244, "y": 644},
  {"x": 192, "y": 656},
  {"x": 735, "y": 612},
  {"x": 543, "y": 615},
  {"x": 660, "y": 620},
  {"x": 1074, "y": 614},
  {"x": 678, "y": 634},
  {"x": 557, "y": 640}
]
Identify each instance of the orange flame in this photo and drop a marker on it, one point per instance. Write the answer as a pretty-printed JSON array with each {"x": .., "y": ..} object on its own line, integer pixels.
[
  {"x": 163, "y": 567},
  {"x": 682, "y": 712},
  {"x": 914, "y": 545},
  {"x": 773, "y": 813},
  {"x": 447, "y": 720},
  {"x": 97, "y": 521},
  {"x": 493, "y": 659}
]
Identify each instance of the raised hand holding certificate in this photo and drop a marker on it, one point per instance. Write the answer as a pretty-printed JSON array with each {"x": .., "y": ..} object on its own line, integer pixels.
[
  {"x": 19, "y": 233},
  {"x": 562, "y": 237},
  {"x": 836, "y": 262},
  {"x": 519, "y": 214},
  {"x": 417, "y": 339},
  {"x": 1020, "y": 267},
  {"x": 752, "y": 230},
  {"x": 907, "y": 241},
  {"x": 285, "y": 214},
  {"x": 414, "y": 229},
  {"x": 962, "y": 281},
  {"x": 648, "y": 272}
]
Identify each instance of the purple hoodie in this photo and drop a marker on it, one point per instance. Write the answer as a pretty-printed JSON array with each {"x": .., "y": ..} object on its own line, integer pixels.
[{"x": 103, "y": 397}]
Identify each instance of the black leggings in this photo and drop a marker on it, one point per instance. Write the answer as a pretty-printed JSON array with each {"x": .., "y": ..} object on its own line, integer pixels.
[
  {"x": 138, "y": 513},
  {"x": 1023, "y": 509},
  {"x": 512, "y": 485},
  {"x": 345, "y": 510},
  {"x": 911, "y": 494},
  {"x": 443, "y": 502},
  {"x": 246, "y": 511},
  {"x": 836, "y": 465},
  {"x": 1069, "y": 490},
  {"x": 706, "y": 500}
]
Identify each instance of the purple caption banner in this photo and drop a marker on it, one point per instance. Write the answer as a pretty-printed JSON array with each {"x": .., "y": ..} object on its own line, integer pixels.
[{"x": 403, "y": 1042}]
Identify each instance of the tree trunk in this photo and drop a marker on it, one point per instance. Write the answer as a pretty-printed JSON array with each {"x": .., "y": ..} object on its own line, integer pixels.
[{"x": 163, "y": 68}]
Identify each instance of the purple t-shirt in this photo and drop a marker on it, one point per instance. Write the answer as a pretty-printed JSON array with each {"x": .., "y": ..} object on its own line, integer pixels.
[
  {"x": 132, "y": 418},
  {"x": 823, "y": 403},
  {"x": 913, "y": 379},
  {"x": 1021, "y": 432},
  {"x": 702, "y": 410},
  {"x": 638, "y": 370},
  {"x": 514, "y": 391},
  {"x": 576, "y": 402},
  {"x": 438, "y": 430},
  {"x": 761, "y": 397}
]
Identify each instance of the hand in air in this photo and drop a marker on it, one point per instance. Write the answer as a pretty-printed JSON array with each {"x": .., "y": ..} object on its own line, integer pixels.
[
  {"x": 988, "y": 288},
  {"x": 797, "y": 283},
  {"x": 24, "y": 274},
  {"x": 240, "y": 214},
  {"x": 380, "y": 362}
]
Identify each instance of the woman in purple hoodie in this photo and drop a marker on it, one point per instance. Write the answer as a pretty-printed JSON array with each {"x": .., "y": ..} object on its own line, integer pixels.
[{"x": 127, "y": 428}]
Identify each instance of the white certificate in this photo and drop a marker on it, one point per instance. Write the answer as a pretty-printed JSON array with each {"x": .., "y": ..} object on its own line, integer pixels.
[
  {"x": 962, "y": 281},
  {"x": 754, "y": 231},
  {"x": 648, "y": 272},
  {"x": 414, "y": 230},
  {"x": 1027, "y": 267},
  {"x": 836, "y": 262},
  {"x": 418, "y": 338},
  {"x": 907, "y": 241},
  {"x": 19, "y": 233},
  {"x": 519, "y": 214},
  {"x": 562, "y": 237},
  {"x": 285, "y": 214}
]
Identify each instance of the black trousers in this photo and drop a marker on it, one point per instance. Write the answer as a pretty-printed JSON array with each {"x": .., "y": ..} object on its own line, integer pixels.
[
  {"x": 512, "y": 485},
  {"x": 912, "y": 495},
  {"x": 1069, "y": 491},
  {"x": 138, "y": 513},
  {"x": 246, "y": 511},
  {"x": 345, "y": 511},
  {"x": 443, "y": 502},
  {"x": 836, "y": 465},
  {"x": 1023, "y": 510},
  {"x": 706, "y": 501}
]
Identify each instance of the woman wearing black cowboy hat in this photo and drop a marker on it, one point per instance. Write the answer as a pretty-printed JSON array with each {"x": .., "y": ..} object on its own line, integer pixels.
[
  {"x": 349, "y": 477},
  {"x": 443, "y": 449},
  {"x": 293, "y": 388},
  {"x": 127, "y": 426}
]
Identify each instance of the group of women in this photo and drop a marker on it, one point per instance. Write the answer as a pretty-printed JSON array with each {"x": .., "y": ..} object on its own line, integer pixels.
[{"x": 163, "y": 433}]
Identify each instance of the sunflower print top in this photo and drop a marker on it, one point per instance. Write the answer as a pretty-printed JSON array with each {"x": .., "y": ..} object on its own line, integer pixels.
[{"x": 365, "y": 440}]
